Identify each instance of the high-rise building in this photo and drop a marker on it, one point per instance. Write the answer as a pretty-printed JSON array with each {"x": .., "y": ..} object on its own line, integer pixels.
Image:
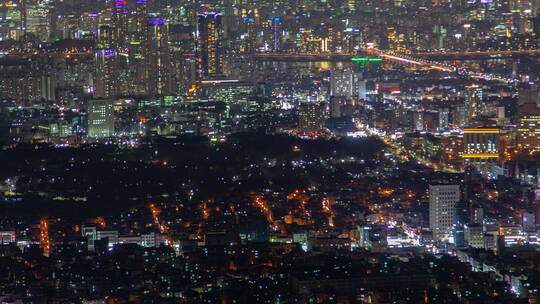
[
  {"x": 345, "y": 83},
  {"x": 311, "y": 118},
  {"x": 474, "y": 100},
  {"x": 418, "y": 120},
  {"x": 209, "y": 50},
  {"x": 38, "y": 20},
  {"x": 157, "y": 59},
  {"x": 442, "y": 209},
  {"x": 100, "y": 118},
  {"x": 478, "y": 215},
  {"x": 120, "y": 21},
  {"x": 106, "y": 82}
]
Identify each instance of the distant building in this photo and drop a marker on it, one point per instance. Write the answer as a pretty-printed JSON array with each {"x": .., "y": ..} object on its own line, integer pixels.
[
  {"x": 443, "y": 118},
  {"x": 100, "y": 118},
  {"x": 528, "y": 221},
  {"x": 311, "y": 118},
  {"x": 340, "y": 107},
  {"x": 157, "y": 59},
  {"x": 38, "y": 20},
  {"x": 106, "y": 82},
  {"x": 110, "y": 235},
  {"x": 151, "y": 240},
  {"x": 474, "y": 100},
  {"x": 418, "y": 120},
  {"x": 481, "y": 145},
  {"x": 228, "y": 91},
  {"x": 7, "y": 237},
  {"x": 529, "y": 95},
  {"x": 474, "y": 236},
  {"x": 442, "y": 209},
  {"x": 478, "y": 216},
  {"x": 345, "y": 84},
  {"x": 209, "y": 45},
  {"x": 529, "y": 127}
]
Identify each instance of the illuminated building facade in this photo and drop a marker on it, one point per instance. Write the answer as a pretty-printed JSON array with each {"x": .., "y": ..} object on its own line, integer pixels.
[
  {"x": 442, "y": 209},
  {"x": 120, "y": 20},
  {"x": 38, "y": 20},
  {"x": 157, "y": 59},
  {"x": 345, "y": 83},
  {"x": 529, "y": 127},
  {"x": 311, "y": 118},
  {"x": 474, "y": 100},
  {"x": 209, "y": 45},
  {"x": 100, "y": 118},
  {"x": 481, "y": 145},
  {"x": 106, "y": 82}
]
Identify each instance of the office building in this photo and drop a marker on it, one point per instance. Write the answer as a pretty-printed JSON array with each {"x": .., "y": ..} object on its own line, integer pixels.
[
  {"x": 345, "y": 84},
  {"x": 311, "y": 118},
  {"x": 442, "y": 209},
  {"x": 474, "y": 235},
  {"x": 38, "y": 20},
  {"x": 100, "y": 118},
  {"x": 481, "y": 145},
  {"x": 529, "y": 127}
]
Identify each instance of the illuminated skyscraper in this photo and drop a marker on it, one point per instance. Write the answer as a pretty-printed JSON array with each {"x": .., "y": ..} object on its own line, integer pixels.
[
  {"x": 209, "y": 45},
  {"x": 157, "y": 58},
  {"x": 140, "y": 22},
  {"x": 38, "y": 20},
  {"x": 100, "y": 118},
  {"x": 120, "y": 24},
  {"x": 106, "y": 82}
]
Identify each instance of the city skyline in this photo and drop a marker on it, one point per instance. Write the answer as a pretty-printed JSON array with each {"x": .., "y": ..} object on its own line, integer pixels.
[{"x": 302, "y": 151}]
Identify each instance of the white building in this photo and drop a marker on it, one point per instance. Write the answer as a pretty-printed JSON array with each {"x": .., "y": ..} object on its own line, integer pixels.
[
  {"x": 347, "y": 84},
  {"x": 442, "y": 209},
  {"x": 100, "y": 118}
]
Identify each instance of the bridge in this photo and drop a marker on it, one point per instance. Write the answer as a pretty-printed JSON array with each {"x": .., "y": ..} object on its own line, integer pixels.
[
  {"x": 411, "y": 59},
  {"x": 303, "y": 56},
  {"x": 480, "y": 55},
  {"x": 408, "y": 59},
  {"x": 402, "y": 58}
]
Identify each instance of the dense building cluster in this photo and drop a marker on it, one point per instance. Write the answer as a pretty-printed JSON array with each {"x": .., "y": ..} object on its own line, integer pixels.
[{"x": 299, "y": 151}]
